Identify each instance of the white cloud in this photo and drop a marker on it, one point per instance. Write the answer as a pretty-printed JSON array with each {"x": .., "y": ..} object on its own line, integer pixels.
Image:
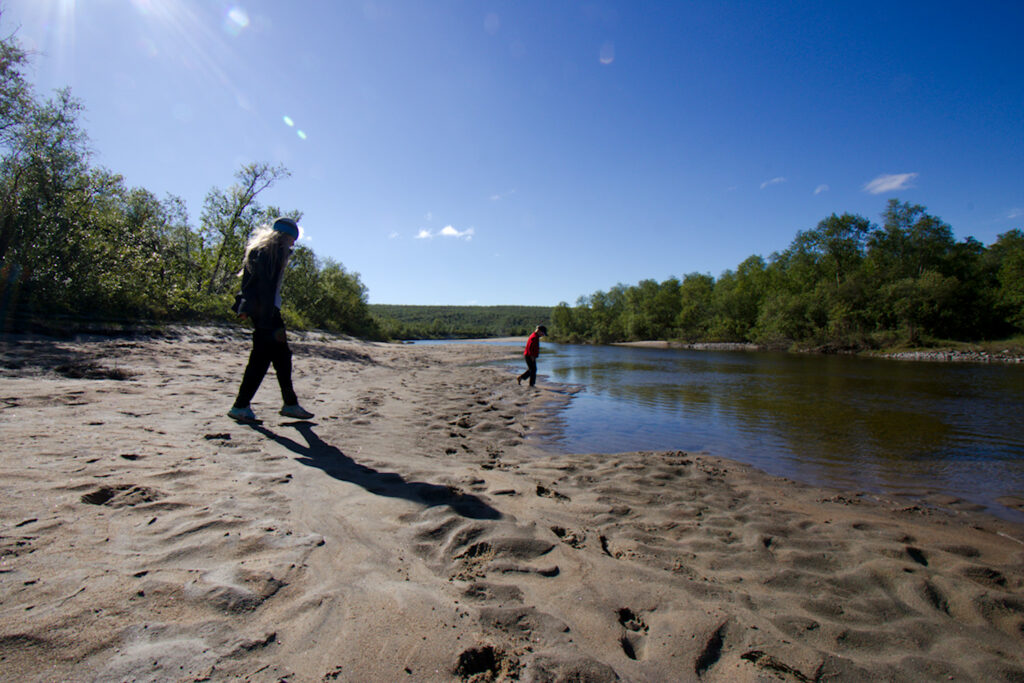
[
  {"x": 890, "y": 182},
  {"x": 497, "y": 196},
  {"x": 446, "y": 231},
  {"x": 773, "y": 181},
  {"x": 821, "y": 188},
  {"x": 1015, "y": 213},
  {"x": 393, "y": 236},
  {"x": 449, "y": 231}
]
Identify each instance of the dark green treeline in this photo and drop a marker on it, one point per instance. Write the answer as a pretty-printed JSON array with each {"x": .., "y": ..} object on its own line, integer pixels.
[
  {"x": 458, "y": 322},
  {"x": 76, "y": 241},
  {"x": 845, "y": 284}
]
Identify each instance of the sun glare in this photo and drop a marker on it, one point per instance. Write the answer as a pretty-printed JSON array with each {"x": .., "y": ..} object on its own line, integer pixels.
[{"x": 236, "y": 21}]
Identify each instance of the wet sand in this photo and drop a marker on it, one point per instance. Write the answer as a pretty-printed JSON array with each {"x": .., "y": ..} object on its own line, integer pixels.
[{"x": 412, "y": 531}]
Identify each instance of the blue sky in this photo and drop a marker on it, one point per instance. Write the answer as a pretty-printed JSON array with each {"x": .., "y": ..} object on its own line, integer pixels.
[{"x": 530, "y": 152}]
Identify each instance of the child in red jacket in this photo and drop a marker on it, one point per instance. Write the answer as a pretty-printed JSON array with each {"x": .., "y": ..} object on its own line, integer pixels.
[{"x": 530, "y": 355}]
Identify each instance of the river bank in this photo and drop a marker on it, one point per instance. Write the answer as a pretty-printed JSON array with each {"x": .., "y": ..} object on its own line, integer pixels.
[
  {"x": 941, "y": 355},
  {"x": 412, "y": 532}
]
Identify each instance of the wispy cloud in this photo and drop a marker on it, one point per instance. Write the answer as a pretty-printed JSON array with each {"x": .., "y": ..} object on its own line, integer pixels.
[
  {"x": 773, "y": 181},
  {"x": 498, "y": 196},
  {"x": 446, "y": 231},
  {"x": 393, "y": 236},
  {"x": 449, "y": 231},
  {"x": 821, "y": 188},
  {"x": 890, "y": 182},
  {"x": 1015, "y": 213}
]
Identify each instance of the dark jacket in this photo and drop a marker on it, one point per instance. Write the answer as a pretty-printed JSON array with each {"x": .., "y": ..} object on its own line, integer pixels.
[{"x": 259, "y": 288}]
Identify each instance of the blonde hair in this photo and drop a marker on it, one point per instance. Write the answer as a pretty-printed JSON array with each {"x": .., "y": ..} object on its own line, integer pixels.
[{"x": 264, "y": 237}]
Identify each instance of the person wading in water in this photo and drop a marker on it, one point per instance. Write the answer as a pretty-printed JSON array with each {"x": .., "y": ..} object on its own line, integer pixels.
[{"x": 530, "y": 354}]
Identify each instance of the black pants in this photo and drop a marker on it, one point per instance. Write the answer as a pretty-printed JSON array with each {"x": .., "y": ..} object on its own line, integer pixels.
[
  {"x": 531, "y": 370},
  {"x": 268, "y": 346}
]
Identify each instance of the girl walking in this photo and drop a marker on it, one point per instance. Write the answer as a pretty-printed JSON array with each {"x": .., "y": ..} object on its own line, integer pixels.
[{"x": 266, "y": 256}]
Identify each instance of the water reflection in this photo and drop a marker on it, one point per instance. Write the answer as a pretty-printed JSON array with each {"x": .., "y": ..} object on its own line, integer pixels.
[{"x": 842, "y": 421}]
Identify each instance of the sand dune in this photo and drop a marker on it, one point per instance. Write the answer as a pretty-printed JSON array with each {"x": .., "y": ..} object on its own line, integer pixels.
[{"x": 413, "y": 532}]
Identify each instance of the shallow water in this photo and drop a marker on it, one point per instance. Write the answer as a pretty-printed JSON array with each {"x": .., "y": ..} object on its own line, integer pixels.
[{"x": 911, "y": 428}]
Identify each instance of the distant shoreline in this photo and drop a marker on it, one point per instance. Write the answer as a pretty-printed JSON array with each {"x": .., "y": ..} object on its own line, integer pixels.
[
  {"x": 931, "y": 355},
  {"x": 945, "y": 355},
  {"x": 700, "y": 346}
]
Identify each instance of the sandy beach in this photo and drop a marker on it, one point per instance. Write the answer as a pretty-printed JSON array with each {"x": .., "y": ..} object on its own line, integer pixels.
[{"x": 414, "y": 532}]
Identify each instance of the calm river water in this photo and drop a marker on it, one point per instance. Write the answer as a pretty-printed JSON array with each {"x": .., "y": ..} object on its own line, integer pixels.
[{"x": 910, "y": 428}]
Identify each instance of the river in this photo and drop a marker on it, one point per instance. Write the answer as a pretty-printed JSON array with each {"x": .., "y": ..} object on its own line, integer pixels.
[{"x": 919, "y": 429}]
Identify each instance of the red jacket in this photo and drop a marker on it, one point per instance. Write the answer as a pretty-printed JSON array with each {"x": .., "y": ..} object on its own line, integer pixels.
[{"x": 532, "y": 346}]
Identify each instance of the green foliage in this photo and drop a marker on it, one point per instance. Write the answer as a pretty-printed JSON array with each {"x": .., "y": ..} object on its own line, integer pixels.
[
  {"x": 845, "y": 284},
  {"x": 229, "y": 217},
  {"x": 76, "y": 241},
  {"x": 1007, "y": 260},
  {"x": 457, "y": 322}
]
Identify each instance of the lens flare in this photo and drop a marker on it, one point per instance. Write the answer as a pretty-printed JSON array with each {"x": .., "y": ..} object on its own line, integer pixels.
[
  {"x": 302, "y": 135},
  {"x": 288, "y": 121},
  {"x": 236, "y": 21},
  {"x": 607, "y": 53}
]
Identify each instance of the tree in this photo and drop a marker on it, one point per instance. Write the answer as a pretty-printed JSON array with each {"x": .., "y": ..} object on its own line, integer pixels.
[
  {"x": 1007, "y": 255},
  {"x": 736, "y": 300},
  {"x": 562, "y": 323},
  {"x": 910, "y": 242},
  {"x": 836, "y": 245},
  {"x": 229, "y": 218},
  {"x": 651, "y": 309},
  {"x": 44, "y": 173},
  {"x": 694, "y": 317},
  {"x": 921, "y": 305}
]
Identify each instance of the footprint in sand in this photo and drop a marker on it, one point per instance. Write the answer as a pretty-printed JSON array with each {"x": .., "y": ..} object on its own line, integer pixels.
[
  {"x": 121, "y": 495},
  {"x": 545, "y": 492},
  {"x": 634, "y": 634}
]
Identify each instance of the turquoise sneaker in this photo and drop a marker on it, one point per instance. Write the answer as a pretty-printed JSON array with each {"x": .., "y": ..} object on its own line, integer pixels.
[
  {"x": 242, "y": 414},
  {"x": 296, "y": 411}
]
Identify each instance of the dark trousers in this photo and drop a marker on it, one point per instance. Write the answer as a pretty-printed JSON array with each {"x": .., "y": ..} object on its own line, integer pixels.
[
  {"x": 531, "y": 370},
  {"x": 269, "y": 346}
]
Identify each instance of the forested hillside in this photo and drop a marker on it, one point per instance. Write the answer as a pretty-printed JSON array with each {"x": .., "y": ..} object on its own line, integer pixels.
[
  {"x": 845, "y": 284},
  {"x": 77, "y": 242},
  {"x": 465, "y": 322}
]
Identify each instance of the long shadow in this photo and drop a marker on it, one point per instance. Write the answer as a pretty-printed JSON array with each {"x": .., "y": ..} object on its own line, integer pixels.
[{"x": 322, "y": 455}]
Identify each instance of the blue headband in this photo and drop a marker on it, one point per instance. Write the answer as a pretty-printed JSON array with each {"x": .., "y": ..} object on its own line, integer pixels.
[{"x": 287, "y": 226}]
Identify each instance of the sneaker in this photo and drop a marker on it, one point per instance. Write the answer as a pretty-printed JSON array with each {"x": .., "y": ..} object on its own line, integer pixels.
[
  {"x": 242, "y": 414},
  {"x": 296, "y": 411}
]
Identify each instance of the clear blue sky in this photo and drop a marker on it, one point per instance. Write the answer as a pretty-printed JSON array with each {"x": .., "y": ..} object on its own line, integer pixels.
[{"x": 529, "y": 152}]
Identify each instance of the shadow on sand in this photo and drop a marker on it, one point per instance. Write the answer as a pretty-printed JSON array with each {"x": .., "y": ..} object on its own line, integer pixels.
[{"x": 322, "y": 455}]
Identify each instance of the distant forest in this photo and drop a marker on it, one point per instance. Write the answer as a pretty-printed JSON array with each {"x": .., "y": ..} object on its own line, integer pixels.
[
  {"x": 77, "y": 243},
  {"x": 845, "y": 284},
  {"x": 458, "y": 322}
]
